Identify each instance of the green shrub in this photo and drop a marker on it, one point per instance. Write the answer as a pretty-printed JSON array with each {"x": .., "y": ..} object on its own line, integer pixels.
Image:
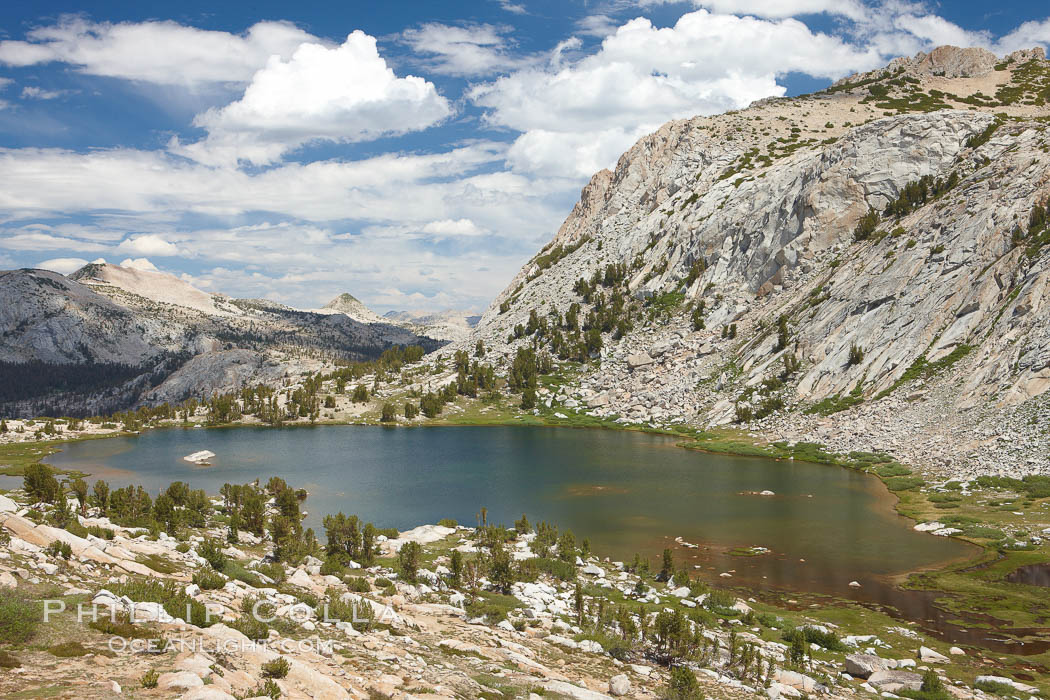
[
  {"x": 211, "y": 551},
  {"x": 278, "y": 668},
  {"x": 268, "y": 689},
  {"x": 209, "y": 580},
  {"x": 448, "y": 522},
  {"x": 812, "y": 635},
  {"x": 182, "y": 547},
  {"x": 683, "y": 685},
  {"x": 8, "y": 661},
  {"x": 995, "y": 688},
  {"x": 58, "y": 548},
  {"x": 150, "y": 678},
  {"x": 358, "y": 584},
  {"x": 120, "y": 625},
  {"x": 892, "y": 469},
  {"x": 273, "y": 571},
  {"x": 67, "y": 650},
  {"x": 19, "y": 617},
  {"x": 169, "y": 594}
]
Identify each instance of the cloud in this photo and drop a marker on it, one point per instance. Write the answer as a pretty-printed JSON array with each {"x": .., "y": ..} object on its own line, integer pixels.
[
  {"x": 139, "y": 264},
  {"x": 164, "y": 53},
  {"x": 450, "y": 227},
  {"x": 63, "y": 266},
  {"x": 29, "y": 238},
  {"x": 576, "y": 115},
  {"x": 853, "y": 9},
  {"x": 513, "y": 7},
  {"x": 148, "y": 244},
  {"x": 464, "y": 51},
  {"x": 346, "y": 93},
  {"x": 31, "y": 92}
]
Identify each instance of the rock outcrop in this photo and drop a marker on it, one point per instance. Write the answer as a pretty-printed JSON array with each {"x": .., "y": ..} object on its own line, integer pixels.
[{"x": 844, "y": 251}]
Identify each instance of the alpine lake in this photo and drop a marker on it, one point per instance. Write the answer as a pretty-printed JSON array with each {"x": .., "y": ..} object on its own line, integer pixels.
[{"x": 782, "y": 527}]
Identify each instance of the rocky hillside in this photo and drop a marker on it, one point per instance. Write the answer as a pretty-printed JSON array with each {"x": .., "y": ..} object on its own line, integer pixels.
[
  {"x": 169, "y": 340},
  {"x": 864, "y": 266}
]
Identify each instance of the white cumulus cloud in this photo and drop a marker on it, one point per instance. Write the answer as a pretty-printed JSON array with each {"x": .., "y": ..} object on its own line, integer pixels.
[
  {"x": 580, "y": 115},
  {"x": 148, "y": 244},
  {"x": 139, "y": 264},
  {"x": 165, "y": 53},
  {"x": 346, "y": 93}
]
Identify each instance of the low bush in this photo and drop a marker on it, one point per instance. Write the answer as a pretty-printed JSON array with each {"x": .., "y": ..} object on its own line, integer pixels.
[
  {"x": 169, "y": 594},
  {"x": 58, "y": 548},
  {"x": 8, "y": 661},
  {"x": 358, "y": 584},
  {"x": 19, "y": 617},
  {"x": 150, "y": 678},
  {"x": 67, "y": 650},
  {"x": 268, "y": 689},
  {"x": 211, "y": 551},
  {"x": 278, "y": 668},
  {"x": 273, "y": 571},
  {"x": 209, "y": 580},
  {"x": 826, "y": 640},
  {"x": 120, "y": 625}
]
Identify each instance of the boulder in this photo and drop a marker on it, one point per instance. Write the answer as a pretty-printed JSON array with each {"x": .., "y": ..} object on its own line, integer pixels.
[
  {"x": 619, "y": 685},
  {"x": 639, "y": 360},
  {"x": 574, "y": 691},
  {"x": 207, "y": 692},
  {"x": 863, "y": 665},
  {"x": 1019, "y": 687},
  {"x": 929, "y": 656},
  {"x": 179, "y": 681},
  {"x": 591, "y": 646},
  {"x": 893, "y": 681},
  {"x": 7, "y": 505}
]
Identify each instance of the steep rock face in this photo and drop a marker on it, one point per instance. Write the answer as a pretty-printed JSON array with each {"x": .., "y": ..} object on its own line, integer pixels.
[{"x": 753, "y": 215}]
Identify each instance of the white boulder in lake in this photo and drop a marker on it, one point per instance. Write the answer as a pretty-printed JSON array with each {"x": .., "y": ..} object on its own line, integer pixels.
[{"x": 201, "y": 457}]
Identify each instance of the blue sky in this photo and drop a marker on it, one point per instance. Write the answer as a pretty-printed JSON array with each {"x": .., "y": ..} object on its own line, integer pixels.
[{"x": 414, "y": 154}]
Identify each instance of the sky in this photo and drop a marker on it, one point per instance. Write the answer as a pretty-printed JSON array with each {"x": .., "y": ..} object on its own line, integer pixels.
[{"x": 414, "y": 154}]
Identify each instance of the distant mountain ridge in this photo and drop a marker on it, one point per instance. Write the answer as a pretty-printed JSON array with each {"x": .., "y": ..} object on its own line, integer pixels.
[{"x": 183, "y": 341}]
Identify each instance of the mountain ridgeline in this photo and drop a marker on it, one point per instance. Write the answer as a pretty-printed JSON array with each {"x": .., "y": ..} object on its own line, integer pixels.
[
  {"x": 107, "y": 338},
  {"x": 865, "y": 265}
]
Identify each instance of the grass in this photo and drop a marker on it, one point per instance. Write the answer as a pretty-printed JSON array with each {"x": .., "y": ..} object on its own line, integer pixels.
[
  {"x": 835, "y": 404},
  {"x": 922, "y": 368}
]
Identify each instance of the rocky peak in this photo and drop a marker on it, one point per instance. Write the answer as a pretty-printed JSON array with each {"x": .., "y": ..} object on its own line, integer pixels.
[{"x": 348, "y": 305}]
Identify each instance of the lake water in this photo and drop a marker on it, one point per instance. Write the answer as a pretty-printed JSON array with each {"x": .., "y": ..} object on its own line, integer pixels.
[{"x": 627, "y": 492}]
